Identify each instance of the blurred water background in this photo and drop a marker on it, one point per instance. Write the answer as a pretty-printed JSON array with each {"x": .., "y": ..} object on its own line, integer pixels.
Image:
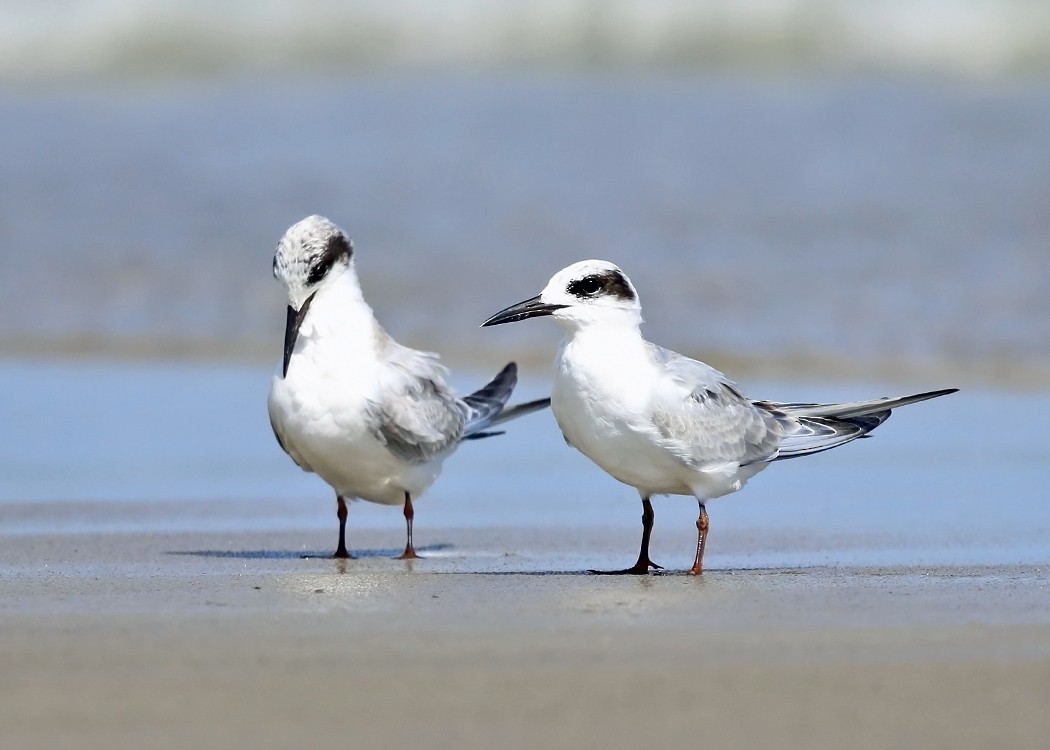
[
  {"x": 834, "y": 193},
  {"x": 799, "y": 185}
]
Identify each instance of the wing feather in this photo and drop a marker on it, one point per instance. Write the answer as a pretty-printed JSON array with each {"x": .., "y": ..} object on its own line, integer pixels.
[
  {"x": 486, "y": 403},
  {"x": 706, "y": 422},
  {"x": 417, "y": 417}
]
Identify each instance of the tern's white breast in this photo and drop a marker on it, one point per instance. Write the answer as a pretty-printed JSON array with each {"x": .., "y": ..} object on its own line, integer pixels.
[
  {"x": 603, "y": 387},
  {"x": 606, "y": 386},
  {"x": 321, "y": 407}
]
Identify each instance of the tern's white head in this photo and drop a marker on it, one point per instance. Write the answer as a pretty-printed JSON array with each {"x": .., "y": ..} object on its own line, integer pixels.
[
  {"x": 585, "y": 293},
  {"x": 310, "y": 254}
]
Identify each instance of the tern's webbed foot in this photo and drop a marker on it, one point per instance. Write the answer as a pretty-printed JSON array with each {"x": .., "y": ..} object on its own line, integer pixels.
[
  {"x": 337, "y": 555},
  {"x": 640, "y": 568}
]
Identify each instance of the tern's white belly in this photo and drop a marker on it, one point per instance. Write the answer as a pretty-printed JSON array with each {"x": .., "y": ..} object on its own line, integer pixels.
[
  {"x": 323, "y": 425},
  {"x": 603, "y": 409},
  {"x": 616, "y": 444}
]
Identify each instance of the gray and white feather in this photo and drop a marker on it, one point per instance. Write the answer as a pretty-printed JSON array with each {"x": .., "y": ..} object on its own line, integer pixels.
[
  {"x": 661, "y": 422},
  {"x": 371, "y": 417}
]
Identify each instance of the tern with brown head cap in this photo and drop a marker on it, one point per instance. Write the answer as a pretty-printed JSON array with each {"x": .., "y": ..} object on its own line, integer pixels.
[{"x": 374, "y": 419}]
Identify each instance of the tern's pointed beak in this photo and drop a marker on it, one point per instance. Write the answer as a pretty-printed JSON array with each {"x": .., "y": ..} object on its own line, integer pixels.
[
  {"x": 530, "y": 308},
  {"x": 291, "y": 330}
]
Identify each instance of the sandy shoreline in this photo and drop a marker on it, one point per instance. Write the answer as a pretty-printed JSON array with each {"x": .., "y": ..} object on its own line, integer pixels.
[{"x": 211, "y": 640}]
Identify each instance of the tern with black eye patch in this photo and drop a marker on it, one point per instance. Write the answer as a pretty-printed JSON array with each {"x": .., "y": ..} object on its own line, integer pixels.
[{"x": 661, "y": 422}]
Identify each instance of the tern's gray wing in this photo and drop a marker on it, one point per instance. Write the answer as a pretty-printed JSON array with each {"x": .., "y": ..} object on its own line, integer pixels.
[
  {"x": 485, "y": 404},
  {"x": 805, "y": 435},
  {"x": 416, "y": 415},
  {"x": 818, "y": 427},
  {"x": 862, "y": 408},
  {"x": 705, "y": 421},
  {"x": 520, "y": 410}
]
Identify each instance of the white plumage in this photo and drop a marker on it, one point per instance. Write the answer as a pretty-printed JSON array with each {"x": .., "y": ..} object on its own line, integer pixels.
[
  {"x": 371, "y": 417},
  {"x": 659, "y": 421}
]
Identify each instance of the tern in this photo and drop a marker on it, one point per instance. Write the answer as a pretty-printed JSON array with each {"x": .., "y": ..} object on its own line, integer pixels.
[
  {"x": 661, "y": 422},
  {"x": 374, "y": 419}
]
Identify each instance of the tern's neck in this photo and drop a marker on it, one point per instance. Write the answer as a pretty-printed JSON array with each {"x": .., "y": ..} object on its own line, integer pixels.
[
  {"x": 601, "y": 358},
  {"x": 339, "y": 309},
  {"x": 618, "y": 336},
  {"x": 583, "y": 322}
]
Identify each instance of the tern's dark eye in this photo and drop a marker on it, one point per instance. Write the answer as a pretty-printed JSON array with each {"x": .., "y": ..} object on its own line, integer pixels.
[
  {"x": 338, "y": 248},
  {"x": 588, "y": 286},
  {"x": 320, "y": 269},
  {"x": 611, "y": 284}
]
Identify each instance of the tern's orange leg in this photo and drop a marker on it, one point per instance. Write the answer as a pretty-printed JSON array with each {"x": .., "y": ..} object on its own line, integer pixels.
[
  {"x": 410, "y": 513},
  {"x": 702, "y": 525}
]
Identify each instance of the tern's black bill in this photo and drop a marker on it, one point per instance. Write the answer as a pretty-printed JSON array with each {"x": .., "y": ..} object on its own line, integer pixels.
[
  {"x": 291, "y": 330},
  {"x": 530, "y": 308}
]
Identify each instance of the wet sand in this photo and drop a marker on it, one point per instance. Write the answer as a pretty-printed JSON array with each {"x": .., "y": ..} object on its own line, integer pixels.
[
  {"x": 501, "y": 639},
  {"x": 893, "y": 593}
]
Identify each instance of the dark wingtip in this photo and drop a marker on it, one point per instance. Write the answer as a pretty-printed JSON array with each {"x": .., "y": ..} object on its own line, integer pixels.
[
  {"x": 937, "y": 394},
  {"x": 482, "y": 435},
  {"x": 535, "y": 405}
]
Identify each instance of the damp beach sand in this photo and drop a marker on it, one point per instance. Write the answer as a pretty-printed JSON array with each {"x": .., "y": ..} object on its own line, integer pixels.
[
  {"x": 153, "y": 589},
  {"x": 220, "y": 640}
]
